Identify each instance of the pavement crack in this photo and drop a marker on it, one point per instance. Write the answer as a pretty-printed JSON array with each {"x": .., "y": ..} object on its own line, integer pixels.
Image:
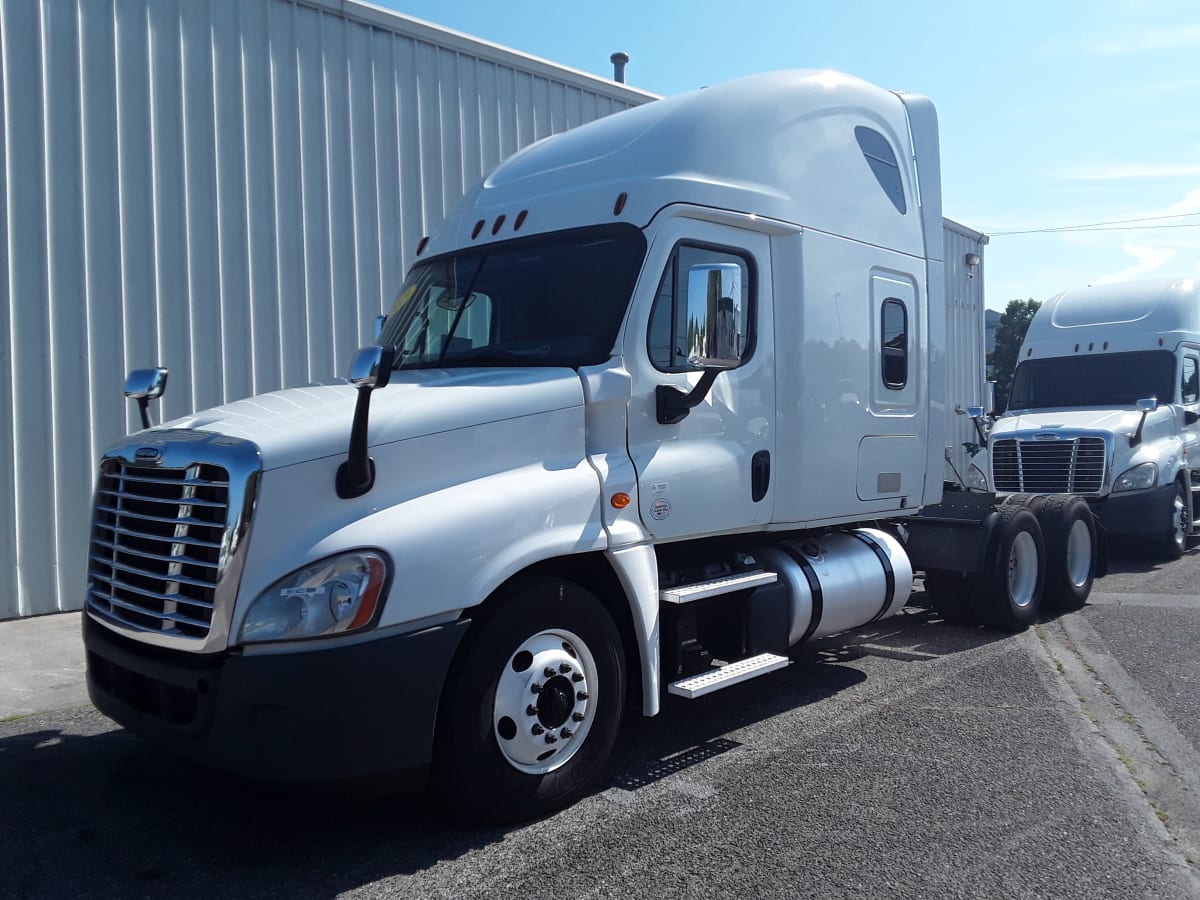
[{"x": 1144, "y": 751}]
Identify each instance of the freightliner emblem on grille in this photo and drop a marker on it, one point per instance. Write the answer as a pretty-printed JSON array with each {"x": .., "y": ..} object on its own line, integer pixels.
[
  {"x": 1044, "y": 436},
  {"x": 147, "y": 454}
]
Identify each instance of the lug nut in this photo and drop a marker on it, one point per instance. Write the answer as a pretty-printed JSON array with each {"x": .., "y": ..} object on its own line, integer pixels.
[
  {"x": 549, "y": 672},
  {"x": 566, "y": 733},
  {"x": 537, "y": 729},
  {"x": 551, "y": 739},
  {"x": 563, "y": 668},
  {"x": 536, "y": 688},
  {"x": 577, "y": 677},
  {"x": 577, "y": 717},
  {"x": 582, "y": 695},
  {"x": 531, "y": 710}
]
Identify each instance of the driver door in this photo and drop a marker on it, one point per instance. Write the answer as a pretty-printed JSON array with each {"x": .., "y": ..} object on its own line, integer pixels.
[{"x": 711, "y": 471}]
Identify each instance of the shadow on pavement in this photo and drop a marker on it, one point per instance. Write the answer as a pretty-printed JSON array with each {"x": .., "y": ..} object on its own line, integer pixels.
[{"x": 92, "y": 812}]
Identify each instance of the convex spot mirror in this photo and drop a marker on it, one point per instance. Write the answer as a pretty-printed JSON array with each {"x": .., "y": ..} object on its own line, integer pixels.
[
  {"x": 716, "y": 316},
  {"x": 1148, "y": 405}
]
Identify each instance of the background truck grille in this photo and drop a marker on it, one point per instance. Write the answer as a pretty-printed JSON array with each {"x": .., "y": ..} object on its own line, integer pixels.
[
  {"x": 1049, "y": 467},
  {"x": 157, "y": 541}
]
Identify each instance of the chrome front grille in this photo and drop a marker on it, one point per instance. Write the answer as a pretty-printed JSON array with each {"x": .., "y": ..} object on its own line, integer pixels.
[
  {"x": 156, "y": 545},
  {"x": 1069, "y": 466},
  {"x": 170, "y": 524}
]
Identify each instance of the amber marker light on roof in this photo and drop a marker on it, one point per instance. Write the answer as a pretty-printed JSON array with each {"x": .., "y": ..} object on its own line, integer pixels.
[{"x": 619, "y": 500}]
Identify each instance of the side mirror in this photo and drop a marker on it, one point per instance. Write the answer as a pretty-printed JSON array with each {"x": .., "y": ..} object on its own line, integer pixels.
[
  {"x": 989, "y": 399},
  {"x": 1145, "y": 406},
  {"x": 380, "y": 321},
  {"x": 144, "y": 385},
  {"x": 371, "y": 369},
  {"x": 716, "y": 335},
  {"x": 716, "y": 320}
]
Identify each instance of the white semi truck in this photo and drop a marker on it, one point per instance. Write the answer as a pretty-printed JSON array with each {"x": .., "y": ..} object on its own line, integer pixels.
[
  {"x": 1105, "y": 404},
  {"x": 664, "y": 397}
]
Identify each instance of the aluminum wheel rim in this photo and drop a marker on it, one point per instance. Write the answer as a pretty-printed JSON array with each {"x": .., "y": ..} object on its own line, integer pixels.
[
  {"x": 545, "y": 701},
  {"x": 1022, "y": 569},
  {"x": 1079, "y": 553},
  {"x": 1179, "y": 518}
]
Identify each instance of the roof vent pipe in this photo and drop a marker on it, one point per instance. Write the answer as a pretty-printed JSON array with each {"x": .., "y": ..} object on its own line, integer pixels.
[{"x": 619, "y": 59}]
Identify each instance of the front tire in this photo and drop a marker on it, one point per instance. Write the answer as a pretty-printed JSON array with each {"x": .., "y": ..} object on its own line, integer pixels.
[
  {"x": 535, "y": 706},
  {"x": 1178, "y": 526}
]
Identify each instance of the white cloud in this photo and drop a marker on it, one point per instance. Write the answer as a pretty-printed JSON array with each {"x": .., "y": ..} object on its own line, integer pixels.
[
  {"x": 1149, "y": 39},
  {"x": 1148, "y": 260}
]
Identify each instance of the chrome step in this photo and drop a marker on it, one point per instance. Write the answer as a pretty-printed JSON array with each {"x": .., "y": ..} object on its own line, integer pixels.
[
  {"x": 743, "y": 670},
  {"x": 686, "y": 593}
]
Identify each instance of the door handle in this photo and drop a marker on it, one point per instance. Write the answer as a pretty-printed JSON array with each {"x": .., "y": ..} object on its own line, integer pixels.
[{"x": 760, "y": 474}]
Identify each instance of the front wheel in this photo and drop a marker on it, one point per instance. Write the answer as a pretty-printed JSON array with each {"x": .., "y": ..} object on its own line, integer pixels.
[
  {"x": 1178, "y": 525},
  {"x": 535, "y": 706}
]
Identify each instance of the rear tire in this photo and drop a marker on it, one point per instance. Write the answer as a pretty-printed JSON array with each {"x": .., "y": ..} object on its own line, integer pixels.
[
  {"x": 950, "y": 597},
  {"x": 1072, "y": 549},
  {"x": 1008, "y": 593},
  {"x": 535, "y": 706}
]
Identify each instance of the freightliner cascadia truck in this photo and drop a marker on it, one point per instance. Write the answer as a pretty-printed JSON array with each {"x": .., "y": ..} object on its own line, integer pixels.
[
  {"x": 1106, "y": 404},
  {"x": 664, "y": 397}
]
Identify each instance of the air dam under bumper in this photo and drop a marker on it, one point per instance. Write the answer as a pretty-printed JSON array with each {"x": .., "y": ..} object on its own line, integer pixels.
[
  {"x": 316, "y": 715},
  {"x": 1137, "y": 513}
]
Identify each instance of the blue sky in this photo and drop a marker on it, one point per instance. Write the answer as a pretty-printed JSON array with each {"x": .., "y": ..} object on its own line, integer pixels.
[{"x": 1053, "y": 114}]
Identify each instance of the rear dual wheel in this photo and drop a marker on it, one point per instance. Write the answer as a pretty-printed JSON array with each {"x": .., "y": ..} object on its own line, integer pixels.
[{"x": 1008, "y": 593}]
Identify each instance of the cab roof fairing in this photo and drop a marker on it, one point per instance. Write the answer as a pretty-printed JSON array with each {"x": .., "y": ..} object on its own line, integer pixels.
[{"x": 780, "y": 145}]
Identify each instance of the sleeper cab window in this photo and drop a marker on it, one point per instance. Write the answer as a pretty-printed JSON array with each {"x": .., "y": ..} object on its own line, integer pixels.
[
  {"x": 1190, "y": 386},
  {"x": 718, "y": 283},
  {"x": 879, "y": 156},
  {"x": 894, "y": 344}
]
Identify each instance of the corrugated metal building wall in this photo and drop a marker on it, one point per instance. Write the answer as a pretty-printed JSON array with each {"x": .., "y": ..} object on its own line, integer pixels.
[
  {"x": 231, "y": 188},
  {"x": 965, "y": 350}
]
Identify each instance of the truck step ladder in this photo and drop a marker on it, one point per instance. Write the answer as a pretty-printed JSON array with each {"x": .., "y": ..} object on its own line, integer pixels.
[
  {"x": 732, "y": 673},
  {"x": 686, "y": 593}
]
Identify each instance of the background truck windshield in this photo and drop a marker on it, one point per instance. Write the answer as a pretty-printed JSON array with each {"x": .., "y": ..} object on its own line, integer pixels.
[
  {"x": 1109, "y": 379},
  {"x": 548, "y": 300}
]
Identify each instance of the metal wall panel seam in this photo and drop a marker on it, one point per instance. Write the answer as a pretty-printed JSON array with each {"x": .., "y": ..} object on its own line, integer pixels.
[
  {"x": 9, "y": 593},
  {"x": 68, "y": 413},
  {"x": 251, "y": 300}
]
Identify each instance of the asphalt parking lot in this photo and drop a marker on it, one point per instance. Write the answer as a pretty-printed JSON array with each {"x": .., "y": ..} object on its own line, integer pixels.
[{"x": 910, "y": 759}]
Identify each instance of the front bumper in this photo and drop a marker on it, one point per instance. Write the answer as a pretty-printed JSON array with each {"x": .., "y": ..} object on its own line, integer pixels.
[
  {"x": 1137, "y": 513},
  {"x": 317, "y": 715}
]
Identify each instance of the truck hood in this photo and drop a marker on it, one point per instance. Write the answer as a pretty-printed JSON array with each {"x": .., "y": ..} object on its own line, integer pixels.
[
  {"x": 1113, "y": 421},
  {"x": 301, "y": 424}
]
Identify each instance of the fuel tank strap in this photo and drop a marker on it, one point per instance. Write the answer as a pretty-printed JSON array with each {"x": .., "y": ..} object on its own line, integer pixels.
[
  {"x": 814, "y": 586},
  {"x": 889, "y": 573}
]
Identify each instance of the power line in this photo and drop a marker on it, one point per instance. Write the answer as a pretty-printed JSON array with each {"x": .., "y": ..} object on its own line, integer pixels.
[{"x": 1106, "y": 226}]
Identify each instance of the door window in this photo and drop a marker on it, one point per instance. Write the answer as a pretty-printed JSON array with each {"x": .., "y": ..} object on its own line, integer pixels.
[
  {"x": 1189, "y": 389},
  {"x": 894, "y": 329}
]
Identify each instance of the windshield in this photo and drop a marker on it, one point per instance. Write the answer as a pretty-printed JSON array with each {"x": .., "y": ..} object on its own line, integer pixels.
[
  {"x": 1111, "y": 379},
  {"x": 549, "y": 300}
]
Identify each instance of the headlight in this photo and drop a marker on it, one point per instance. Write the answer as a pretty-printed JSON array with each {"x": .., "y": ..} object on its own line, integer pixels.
[
  {"x": 976, "y": 480},
  {"x": 332, "y": 596},
  {"x": 1137, "y": 478}
]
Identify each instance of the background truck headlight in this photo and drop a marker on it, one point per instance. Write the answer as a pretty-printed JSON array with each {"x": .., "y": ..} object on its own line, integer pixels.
[
  {"x": 976, "y": 480},
  {"x": 331, "y": 596},
  {"x": 1137, "y": 478}
]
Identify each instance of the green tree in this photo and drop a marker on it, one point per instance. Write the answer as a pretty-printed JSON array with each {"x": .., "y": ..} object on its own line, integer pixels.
[{"x": 1010, "y": 331}]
